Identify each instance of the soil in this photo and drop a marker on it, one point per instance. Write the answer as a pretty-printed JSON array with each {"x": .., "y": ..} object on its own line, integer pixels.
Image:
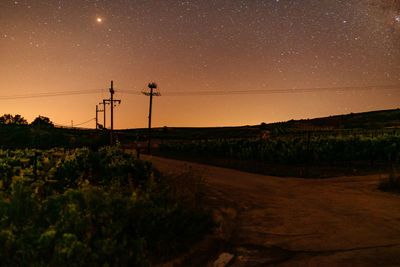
[{"x": 272, "y": 221}]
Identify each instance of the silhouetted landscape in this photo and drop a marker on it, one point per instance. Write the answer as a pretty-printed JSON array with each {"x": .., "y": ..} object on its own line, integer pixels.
[
  {"x": 67, "y": 197},
  {"x": 200, "y": 133},
  {"x": 67, "y": 194}
]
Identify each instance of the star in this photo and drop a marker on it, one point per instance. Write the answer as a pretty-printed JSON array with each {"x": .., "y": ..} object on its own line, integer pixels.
[{"x": 240, "y": 44}]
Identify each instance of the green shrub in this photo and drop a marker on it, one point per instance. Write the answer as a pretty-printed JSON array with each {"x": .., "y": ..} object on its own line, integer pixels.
[
  {"x": 292, "y": 149},
  {"x": 86, "y": 207}
]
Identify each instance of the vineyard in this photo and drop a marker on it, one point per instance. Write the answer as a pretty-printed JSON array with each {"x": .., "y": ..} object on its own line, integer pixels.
[
  {"x": 82, "y": 207},
  {"x": 27, "y": 136},
  {"x": 299, "y": 151}
]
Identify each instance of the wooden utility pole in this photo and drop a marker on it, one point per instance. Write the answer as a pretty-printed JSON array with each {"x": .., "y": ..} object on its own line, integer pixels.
[
  {"x": 151, "y": 85},
  {"x": 97, "y": 111},
  {"x": 112, "y": 105},
  {"x": 104, "y": 114},
  {"x": 111, "y": 102},
  {"x": 97, "y": 116}
]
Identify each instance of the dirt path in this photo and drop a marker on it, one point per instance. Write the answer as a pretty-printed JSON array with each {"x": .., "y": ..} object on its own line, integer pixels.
[{"x": 267, "y": 220}]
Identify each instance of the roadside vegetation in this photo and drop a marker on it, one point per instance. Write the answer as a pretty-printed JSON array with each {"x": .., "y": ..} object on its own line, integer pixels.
[
  {"x": 310, "y": 155},
  {"x": 85, "y": 207},
  {"x": 15, "y": 132}
]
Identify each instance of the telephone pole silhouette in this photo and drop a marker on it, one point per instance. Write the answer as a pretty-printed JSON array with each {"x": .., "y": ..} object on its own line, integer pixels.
[
  {"x": 97, "y": 111},
  {"x": 151, "y": 85},
  {"x": 111, "y": 102},
  {"x": 97, "y": 116}
]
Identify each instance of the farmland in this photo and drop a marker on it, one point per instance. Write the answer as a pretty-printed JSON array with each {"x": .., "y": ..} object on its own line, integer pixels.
[
  {"x": 67, "y": 197},
  {"x": 350, "y": 144},
  {"x": 310, "y": 154}
]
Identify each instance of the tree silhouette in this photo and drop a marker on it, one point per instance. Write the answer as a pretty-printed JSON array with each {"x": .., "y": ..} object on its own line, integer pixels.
[
  {"x": 10, "y": 119},
  {"x": 42, "y": 121},
  {"x": 263, "y": 126}
]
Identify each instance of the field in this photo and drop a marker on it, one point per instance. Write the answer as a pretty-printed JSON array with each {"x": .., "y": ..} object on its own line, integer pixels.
[
  {"x": 85, "y": 207},
  {"x": 66, "y": 197},
  {"x": 360, "y": 143},
  {"x": 305, "y": 154}
]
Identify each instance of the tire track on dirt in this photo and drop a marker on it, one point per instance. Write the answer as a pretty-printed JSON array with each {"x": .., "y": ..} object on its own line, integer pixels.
[{"x": 266, "y": 220}]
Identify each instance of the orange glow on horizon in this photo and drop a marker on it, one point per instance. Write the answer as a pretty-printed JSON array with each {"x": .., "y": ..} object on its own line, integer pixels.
[{"x": 214, "y": 46}]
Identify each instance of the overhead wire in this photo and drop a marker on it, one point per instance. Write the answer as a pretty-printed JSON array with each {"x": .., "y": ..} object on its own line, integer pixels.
[
  {"x": 207, "y": 92},
  {"x": 270, "y": 91},
  {"x": 78, "y": 124},
  {"x": 51, "y": 94},
  {"x": 82, "y": 123},
  {"x": 204, "y": 93}
]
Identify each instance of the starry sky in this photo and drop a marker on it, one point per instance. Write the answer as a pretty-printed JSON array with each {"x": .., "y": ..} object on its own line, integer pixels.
[{"x": 217, "y": 62}]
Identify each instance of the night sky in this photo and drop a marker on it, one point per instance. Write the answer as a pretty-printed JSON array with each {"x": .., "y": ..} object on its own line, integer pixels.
[{"x": 217, "y": 62}]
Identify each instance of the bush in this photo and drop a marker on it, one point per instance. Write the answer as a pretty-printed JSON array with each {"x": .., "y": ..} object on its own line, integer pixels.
[
  {"x": 42, "y": 121},
  {"x": 83, "y": 207},
  {"x": 292, "y": 149}
]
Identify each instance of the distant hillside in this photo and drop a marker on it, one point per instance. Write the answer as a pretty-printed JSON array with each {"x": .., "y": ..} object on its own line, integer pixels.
[
  {"x": 193, "y": 132},
  {"x": 365, "y": 120},
  {"x": 22, "y": 136}
]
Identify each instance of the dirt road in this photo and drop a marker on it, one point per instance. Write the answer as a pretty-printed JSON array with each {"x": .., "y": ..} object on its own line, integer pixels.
[{"x": 267, "y": 220}]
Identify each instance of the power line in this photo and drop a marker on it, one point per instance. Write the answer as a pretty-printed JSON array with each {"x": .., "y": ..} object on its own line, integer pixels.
[
  {"x": 272, "y": 91},
  {"x": 79, "y": 124},
  {"x": 131, "y": 92},
  {"x": 208, "y": 92},
  {"x": 51, "y": 94}
]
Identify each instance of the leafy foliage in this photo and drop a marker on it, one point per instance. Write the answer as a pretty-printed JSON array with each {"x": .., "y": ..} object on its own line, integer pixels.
[
  {"x": 26, "y": 136},
  {"x": 42, "y": 121},
  {"x": 294, "y": 150},
  {"x": 307, "y": 155},
  {"x": 10, "y": 119},
  {"x": 82, "y": 207}
]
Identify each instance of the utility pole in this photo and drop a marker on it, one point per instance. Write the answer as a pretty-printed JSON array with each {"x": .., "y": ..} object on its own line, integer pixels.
[
  {"x": 112, "y": 106},
  {"x": 97, "y": 116},
  {"x": 97, "y": 111},
  {"x": 151, "y": 85},
  {"x": 111, "y": 102},
  {"x": 100, "y": 110},
  {"x": 104, "y": 114}
]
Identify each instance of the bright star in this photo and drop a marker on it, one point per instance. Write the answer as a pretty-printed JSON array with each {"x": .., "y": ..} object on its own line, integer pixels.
[{"x": 99, "y": 20}]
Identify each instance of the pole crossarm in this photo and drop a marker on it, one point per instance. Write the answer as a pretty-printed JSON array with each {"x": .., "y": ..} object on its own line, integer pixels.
[
  {"x": 148, "y": 94},
  {"x": 108, "y": 101},
  {"x": 101, "y": 110}
]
